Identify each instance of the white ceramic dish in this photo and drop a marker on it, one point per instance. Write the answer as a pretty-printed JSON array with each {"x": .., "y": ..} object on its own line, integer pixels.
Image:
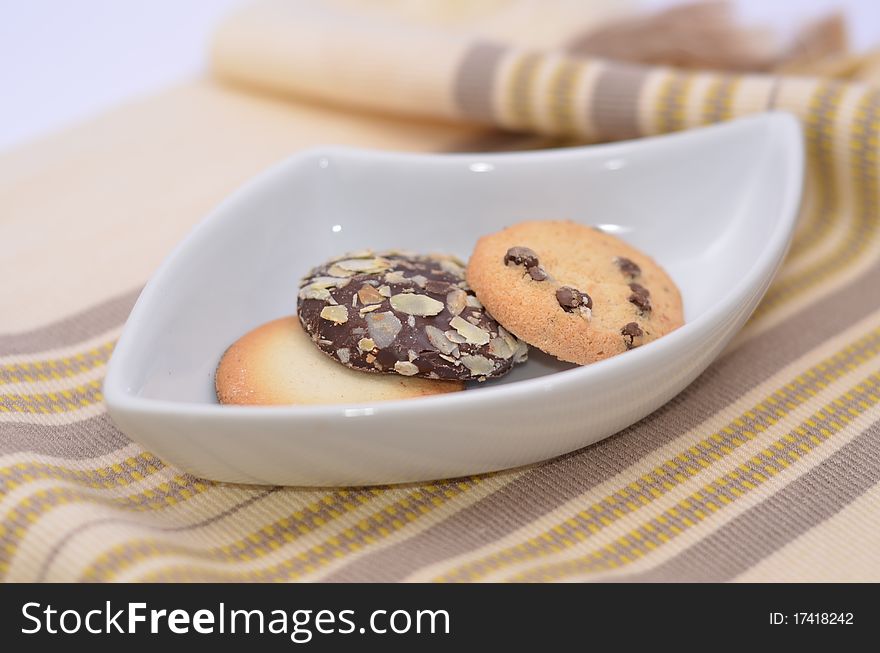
[{"x": 715, "y": 206}]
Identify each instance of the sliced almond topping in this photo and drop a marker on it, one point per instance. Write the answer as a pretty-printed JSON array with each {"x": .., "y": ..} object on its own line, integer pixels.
[
  {"x": 521, "y": 354},
  {"x": 473, "y": 302},
  {"x": 335, "y": 314},
  {"x": 314, "y": 293},
  {"x": 419, "y": 280},
  {"x": 337, "y": 271},
  {"x": 437, "y": 338},
  {"x": 369, "y": 295},
  {"x": 478, "y": 365},
  {"x": 366, "y": 344},
  {"x": 499, "y": 348},
  {"x": 328, "y": 282},
  {"x": 455, "y": 337},
  {"x": 519, "y": 348},
  {"x": 369, "y": 309},
  {"x": 411, "y": 355},
  {"x": 383, "y": 328},
  {"x": 395, "y": 276},
  {"x": 456, "y": 301},
  {"x": 473, "y": 334},
  {"x": 343, "y": 354},
  {"x": 452, "y": 266},
  {"x": 508, "y": 338},
  {"x": 385, "y": 291},
  {"x": 364, "y": 264},
  {"x": 414, "y": 304},
  {"x": 405, "y": 368}
]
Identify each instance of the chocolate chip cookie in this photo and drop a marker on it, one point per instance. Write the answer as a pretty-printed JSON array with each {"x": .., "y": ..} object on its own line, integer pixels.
[
  {"x": 573, "y": 291},
  {"x": 407, "y": 314}
]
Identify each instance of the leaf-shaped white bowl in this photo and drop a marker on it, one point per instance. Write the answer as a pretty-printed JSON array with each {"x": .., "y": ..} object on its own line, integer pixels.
[{"x": 716, "y": 206}]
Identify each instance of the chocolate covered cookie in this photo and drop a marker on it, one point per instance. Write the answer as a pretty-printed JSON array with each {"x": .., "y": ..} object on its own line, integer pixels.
[
  {"x": 573, "y": 291},
  {"x": 408, "y": 314}
]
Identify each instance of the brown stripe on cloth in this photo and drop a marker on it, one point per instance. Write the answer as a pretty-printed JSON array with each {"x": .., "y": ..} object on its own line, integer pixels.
[
  {"x": 89, "y": 438},
  {"x": 802, "y": 504},
  {"x": 119, "y": 521},
  {"x": 22, "y": 516},
  {"x": 71, "y": 330},
  {"x": 474, "y": 82},
  {"x": 615, "y": 107},
  {"x": 541, "y": 489}
]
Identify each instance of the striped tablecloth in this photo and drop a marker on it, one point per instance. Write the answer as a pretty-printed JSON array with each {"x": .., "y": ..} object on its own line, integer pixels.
[{"x": 765, "y": 468}]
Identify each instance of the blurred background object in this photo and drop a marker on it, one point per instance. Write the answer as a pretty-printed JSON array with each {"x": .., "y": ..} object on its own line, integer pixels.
[{"x": 65, "y": 61}]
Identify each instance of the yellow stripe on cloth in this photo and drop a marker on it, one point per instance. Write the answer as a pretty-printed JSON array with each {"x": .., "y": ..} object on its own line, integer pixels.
[
  {"x": 520, "y": 94},
  {"x": 864, "y": 229},
  {"x": 718, "y": 101},
  {"x": 57, "y": 368},
  {"x": 819, "y": 123},
  {"x": 285, "y": 530},
  {"x": 79, "y": 396},
  {"x": 717, "y": 515},
  {"x": 119, "y": 473},
  {"x": 679, "y": 468},
  {"x": 367, "y": 533},
  {"x": 822, "y": 425},
  {"x": 670, "y": 107},
  {"x": 562, "y": 92}
]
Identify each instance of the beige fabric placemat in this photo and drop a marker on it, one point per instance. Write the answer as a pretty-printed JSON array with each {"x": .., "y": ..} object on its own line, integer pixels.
[{"x": 766, "y": 468}]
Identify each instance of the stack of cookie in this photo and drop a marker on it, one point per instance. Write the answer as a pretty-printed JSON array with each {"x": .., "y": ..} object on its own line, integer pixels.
[{"x": 426, "y": 324}]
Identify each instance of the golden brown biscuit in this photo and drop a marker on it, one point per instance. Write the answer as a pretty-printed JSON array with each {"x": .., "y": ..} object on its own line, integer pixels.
[
  {"x": 276, "y": 363},
  {"x": 573, "y": 291}
]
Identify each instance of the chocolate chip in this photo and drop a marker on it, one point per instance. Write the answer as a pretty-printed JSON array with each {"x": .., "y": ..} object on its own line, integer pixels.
[
  {"x": 536, "y": 272},
  {"x": 629, "y": 268},
  {"x": 571, "y": 298},
  {"x": 528, "y": 259},
  {"x": 640, "y": 297},
  {"x": 521, "y": 256},
  {"x": 630, "y": 332}
]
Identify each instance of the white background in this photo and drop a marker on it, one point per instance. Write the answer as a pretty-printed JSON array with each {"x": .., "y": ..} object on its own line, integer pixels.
[{"x": 64, "y": 60}]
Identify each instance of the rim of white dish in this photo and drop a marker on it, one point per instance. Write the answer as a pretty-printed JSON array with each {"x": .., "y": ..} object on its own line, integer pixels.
[{"x": 771, "y": 255}]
